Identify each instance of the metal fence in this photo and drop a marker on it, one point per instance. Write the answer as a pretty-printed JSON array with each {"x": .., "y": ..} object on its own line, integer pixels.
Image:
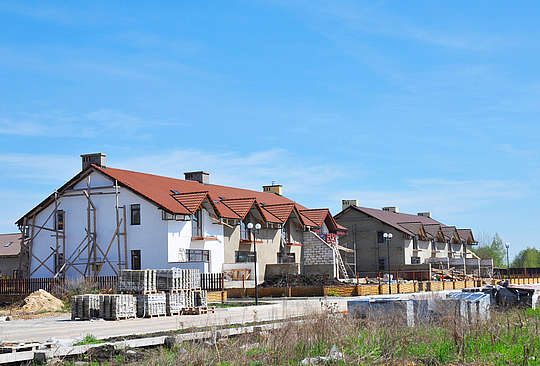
[
  {"x": 25, "y": 286},
  {"x": 212, "y": 281}
]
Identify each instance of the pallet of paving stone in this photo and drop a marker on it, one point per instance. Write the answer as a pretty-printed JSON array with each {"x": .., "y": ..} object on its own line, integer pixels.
[
  {"x": 199, "y": 310},
  {"x": 200, "y": 298},
  {"x": 149, "y": 305},
  {"x": 137, "y": 281},
  {"x": 85, "y": 307},
  {"x": 119, "y": 306},
  {"x": 175, "y": 302}
]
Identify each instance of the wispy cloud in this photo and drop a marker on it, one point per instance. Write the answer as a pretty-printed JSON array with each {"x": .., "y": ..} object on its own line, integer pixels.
[{"x": 82, "y": 125}]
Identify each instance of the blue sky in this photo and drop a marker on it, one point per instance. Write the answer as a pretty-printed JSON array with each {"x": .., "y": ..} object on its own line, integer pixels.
[{"x": 427, "y": 105}]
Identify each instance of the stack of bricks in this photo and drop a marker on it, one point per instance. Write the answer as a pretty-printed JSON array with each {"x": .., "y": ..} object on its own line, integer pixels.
[{"x": 149, "y": 305}]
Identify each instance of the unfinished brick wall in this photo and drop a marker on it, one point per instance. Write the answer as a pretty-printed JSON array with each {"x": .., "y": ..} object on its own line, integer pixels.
[{"x": 317, "y": 255}]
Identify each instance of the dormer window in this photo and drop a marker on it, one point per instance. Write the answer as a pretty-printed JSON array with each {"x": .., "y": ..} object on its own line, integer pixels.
[{"x": 196, "y": 224}]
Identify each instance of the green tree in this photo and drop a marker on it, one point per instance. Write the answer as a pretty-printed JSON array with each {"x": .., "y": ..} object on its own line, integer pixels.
[
  {"x": 495, "y": 250},
  {"x": 527, "y": 258}
]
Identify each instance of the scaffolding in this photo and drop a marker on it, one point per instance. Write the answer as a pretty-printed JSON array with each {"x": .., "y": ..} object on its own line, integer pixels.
[{"x": 97, "y": 255}]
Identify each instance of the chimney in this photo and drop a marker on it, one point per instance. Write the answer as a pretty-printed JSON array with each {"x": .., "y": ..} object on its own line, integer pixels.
[
  {"x": 348, "y": 203},
  {"x": 425, "y": 214},
  {"x": 200, "y": 176},
  {"x": 393, "y": 209},
  {"x": 95, "y": 158},
  {"x": 274, "y": 188}
]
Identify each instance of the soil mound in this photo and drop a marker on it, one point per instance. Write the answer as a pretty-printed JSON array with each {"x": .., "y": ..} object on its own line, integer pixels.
[{"x": 41, "y": 300}]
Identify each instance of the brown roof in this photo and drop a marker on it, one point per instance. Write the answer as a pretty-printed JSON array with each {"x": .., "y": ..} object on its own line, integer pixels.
[
  {"x": 433, "y": 230},
  {"x": 413, "y": 227},
  {"x": 467, "y": 235},
  {"x": 180, "y": 196},
  {"x": 393, "y": 219},
  {"x": 10, "y": 244},
  {"x": 450, "y": 232}
]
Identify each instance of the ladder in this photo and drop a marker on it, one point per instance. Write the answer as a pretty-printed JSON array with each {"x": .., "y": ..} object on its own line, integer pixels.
[{"x": 341, "y": 265}]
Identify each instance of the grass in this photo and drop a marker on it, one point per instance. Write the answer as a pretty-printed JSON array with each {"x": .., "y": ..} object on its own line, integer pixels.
[
  {"x": 508, "y": 338},
  {"x": 88, "y": 339}
]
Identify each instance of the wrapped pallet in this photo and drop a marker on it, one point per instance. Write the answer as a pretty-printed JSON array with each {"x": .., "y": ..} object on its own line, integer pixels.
[
  {"x": 149, "y": 305},
  {"x": 176, "y": 302},
  {"x": 137, "y": 281},
  {"x": 114, "y": 307},
  {"x": 85, "y": 307}
]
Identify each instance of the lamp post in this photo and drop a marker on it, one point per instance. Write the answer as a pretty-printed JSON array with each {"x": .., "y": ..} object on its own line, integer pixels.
[
  {"x": 387, "y": 238},
  {"x": 257, "y": 228},
  {"x": 507, "y": 245}
]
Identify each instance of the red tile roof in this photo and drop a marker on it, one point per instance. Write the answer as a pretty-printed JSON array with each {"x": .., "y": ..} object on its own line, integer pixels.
[
  {"x": 191, "y": 201},
  {"x": 281, "y": 211},
  {"x": 10, "y": 244},
  {"x": 180, "y": 196},
  {"x": 317, "y": 216},
  {"x": 240, "y": 206}
]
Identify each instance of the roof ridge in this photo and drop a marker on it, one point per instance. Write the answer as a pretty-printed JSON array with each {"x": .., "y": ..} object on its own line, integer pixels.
[
  {"x": 237, "y": 199},
  {"x": 184, "y": 193}
]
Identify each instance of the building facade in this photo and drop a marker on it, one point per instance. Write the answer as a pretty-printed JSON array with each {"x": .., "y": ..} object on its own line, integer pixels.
[
  {"x": 417, "y": 241},
  {"x": 106, "y": 219}
]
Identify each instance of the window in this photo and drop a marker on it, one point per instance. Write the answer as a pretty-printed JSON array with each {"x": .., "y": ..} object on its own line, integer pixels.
[
  {"x": 244, "y": 232},
  {"x": 380, "y": 237},
  {"x": 244, "y": 256},
  {"x": 59, "y": 220},
  {"x": 135, "y": 214},
  {"x": 415, "y": 243},
  {"x": 198, "y": 255},
  {"x": 285, "y": 232},
  {"x": 415, "y": 260},
  {"x": 135, "y": 259},
  {"x": 286, "y": 257},
  {"x": 196, "y": 224},
  {"x": 382, "y": 263}
]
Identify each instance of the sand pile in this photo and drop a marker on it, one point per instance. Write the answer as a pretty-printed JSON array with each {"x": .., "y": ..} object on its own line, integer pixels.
[{"x": 41, "y": 300}]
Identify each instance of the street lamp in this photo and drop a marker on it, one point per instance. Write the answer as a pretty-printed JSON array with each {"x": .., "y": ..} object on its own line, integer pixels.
[
  {"x": 507, "y": 245},
  {"x": 387, "y": 238},
  {"x": 257, "y": 228}
]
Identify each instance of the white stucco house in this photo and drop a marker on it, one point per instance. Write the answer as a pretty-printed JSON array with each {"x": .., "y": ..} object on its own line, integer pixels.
[{"x": 105, "y": 219}]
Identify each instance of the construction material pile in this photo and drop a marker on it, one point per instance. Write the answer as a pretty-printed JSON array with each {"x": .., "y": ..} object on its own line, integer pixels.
[
  {"x": 301, "y": 280},
  {"x": 146, "y": 293},
  {"x": 450, "y": 274},
  {"x": 41, "y": 301}
]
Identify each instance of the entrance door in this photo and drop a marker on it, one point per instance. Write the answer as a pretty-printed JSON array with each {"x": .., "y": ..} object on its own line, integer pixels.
[{"x": 135, "y": 259}]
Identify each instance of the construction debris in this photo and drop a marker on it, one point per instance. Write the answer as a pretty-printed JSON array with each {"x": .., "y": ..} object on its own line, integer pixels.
[
  {"x": 40, "y": 301},
  {"x": 302, "y": 280}
]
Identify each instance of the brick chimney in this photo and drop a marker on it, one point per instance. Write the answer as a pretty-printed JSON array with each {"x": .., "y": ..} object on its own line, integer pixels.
[
  {"x": 199, "y": 176},
  {"x": 274, "y": 188},
  {"x": 348, "y": 203},
  {"x": 95, "y": 158},
  {"x": 393, "y": 209}
]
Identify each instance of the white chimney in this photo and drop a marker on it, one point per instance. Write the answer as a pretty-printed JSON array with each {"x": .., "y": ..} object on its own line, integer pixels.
[
  {"x": 95, "y": 158},
  {"x": 348, "y": 203},
  {"x": 425, "y": 214},
  {"x": 393, "y": 209}
]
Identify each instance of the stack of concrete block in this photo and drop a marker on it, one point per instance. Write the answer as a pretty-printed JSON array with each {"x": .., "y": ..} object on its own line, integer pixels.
[
  {"x": 137, "y": 281},
  {"x": 176, "y": 301},
  {"x": 114, "y": 307},
  {"x": 85, "y": 307},
  {"x": 200, "y": 298},
  {"x": 151, "y": 304}
]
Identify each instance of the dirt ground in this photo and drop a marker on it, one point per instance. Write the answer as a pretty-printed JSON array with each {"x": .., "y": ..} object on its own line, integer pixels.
[{"x": 39, "y": 304}]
